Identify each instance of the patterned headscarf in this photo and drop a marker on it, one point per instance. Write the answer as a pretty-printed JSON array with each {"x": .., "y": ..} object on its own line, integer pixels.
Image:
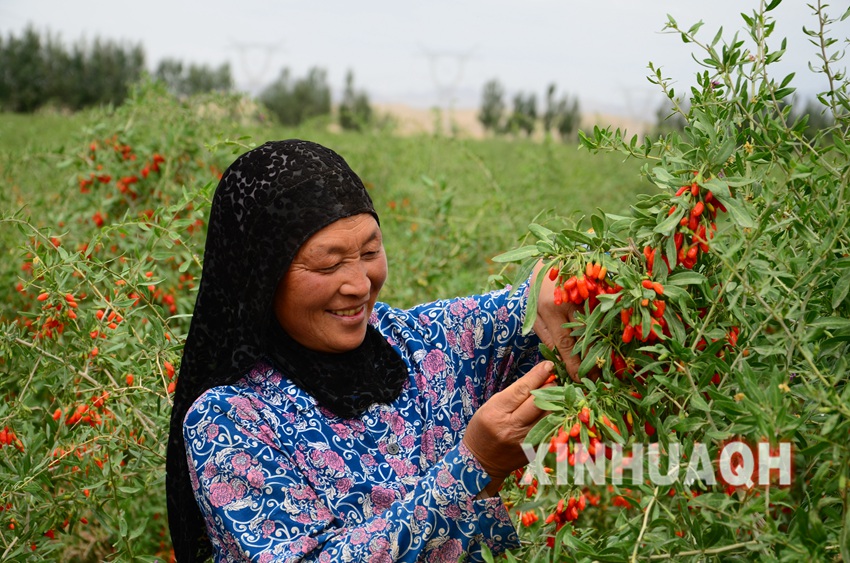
[{"x": 267, "y": 204}]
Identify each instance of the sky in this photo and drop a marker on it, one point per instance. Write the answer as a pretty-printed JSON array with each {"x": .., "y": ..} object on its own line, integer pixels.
[{"x": 435, "y": 53}]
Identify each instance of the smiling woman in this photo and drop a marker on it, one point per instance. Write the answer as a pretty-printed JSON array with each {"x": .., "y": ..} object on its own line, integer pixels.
[{"x": 311, "y": 421}]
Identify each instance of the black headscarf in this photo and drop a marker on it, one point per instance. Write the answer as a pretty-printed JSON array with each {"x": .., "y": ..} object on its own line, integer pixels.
[{"x": 267, "y": 204}]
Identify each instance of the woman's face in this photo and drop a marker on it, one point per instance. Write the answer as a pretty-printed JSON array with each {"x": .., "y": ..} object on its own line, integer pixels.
[{"x": 325, "y": 299}]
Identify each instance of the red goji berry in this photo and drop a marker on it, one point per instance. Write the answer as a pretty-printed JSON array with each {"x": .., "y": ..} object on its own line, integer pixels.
[
  {"x": 698, "y": 209},
  {"x": 581, "y": 285}
]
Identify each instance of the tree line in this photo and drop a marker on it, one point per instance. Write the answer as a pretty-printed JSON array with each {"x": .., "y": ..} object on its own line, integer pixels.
[
  {"x": 560, "y": 116},
  {"x": 38, "y": 70}
]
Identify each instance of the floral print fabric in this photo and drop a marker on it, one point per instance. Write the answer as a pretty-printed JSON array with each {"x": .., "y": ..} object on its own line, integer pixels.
[{"x": 278, "y": 478}]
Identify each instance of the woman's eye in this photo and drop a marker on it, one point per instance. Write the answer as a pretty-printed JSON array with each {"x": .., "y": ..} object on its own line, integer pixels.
[
  {"x": 371, "y": 254},
  {"x": 328, "y": 269}
]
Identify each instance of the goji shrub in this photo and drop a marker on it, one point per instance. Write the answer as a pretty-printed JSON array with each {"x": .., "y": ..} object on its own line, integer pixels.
[
  {"x": 90, "y": 346},
  {"x": 716, "y": 312}
]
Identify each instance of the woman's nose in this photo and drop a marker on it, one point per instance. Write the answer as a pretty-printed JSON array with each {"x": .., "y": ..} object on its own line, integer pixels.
[{"x": 357, "y": 280}]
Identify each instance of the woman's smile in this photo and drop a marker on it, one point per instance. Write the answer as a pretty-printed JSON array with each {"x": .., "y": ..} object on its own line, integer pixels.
[{"x": 348, "y": 313}]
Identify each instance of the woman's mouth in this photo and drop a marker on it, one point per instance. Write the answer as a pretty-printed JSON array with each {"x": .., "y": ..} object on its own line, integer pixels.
[{"x": 348, "y": 312}]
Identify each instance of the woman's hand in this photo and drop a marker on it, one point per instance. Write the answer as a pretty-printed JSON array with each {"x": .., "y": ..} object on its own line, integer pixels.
[
  {"x": 497, "y": 429},
  {"x": 550, "y": 320}
]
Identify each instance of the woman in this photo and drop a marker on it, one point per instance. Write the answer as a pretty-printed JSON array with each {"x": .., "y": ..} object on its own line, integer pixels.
[{"x": 310, "y": 421}]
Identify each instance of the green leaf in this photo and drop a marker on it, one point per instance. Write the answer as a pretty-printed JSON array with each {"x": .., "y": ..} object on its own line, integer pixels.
[
  {"x": 737, "y": 212},
  {"x": 667, "y": 225},
  {"x": 549, "y": 398},
  {"x": 686, "y": 278},
  {"x": 589, "y": 360},
  {"x": 663, "y": 177},
  {"x": 577, "y": 236},
  {"x": 699, "y": 403},
  {"x": 531, "y": 307},
  {"x": 517, "y": 254},
  {"x": 830, "y": 323},
  {"x": 839, "y": 291},
  {"x": 689, "y": 424},
  {"x": 717, "y": 187},
  {"x": 598, "y": 224},
  {"x": 540, "y": 231}
]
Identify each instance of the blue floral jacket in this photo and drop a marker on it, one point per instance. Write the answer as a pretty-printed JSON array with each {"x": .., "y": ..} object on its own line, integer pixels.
[{"x": 280, "y": 479}]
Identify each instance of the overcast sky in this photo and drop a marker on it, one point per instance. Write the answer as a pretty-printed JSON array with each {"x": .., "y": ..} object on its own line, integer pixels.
[{"x": 438, "y": 52}]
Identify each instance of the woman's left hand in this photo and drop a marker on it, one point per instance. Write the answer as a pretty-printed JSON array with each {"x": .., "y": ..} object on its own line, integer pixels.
[{"x": 549, "y": 325}]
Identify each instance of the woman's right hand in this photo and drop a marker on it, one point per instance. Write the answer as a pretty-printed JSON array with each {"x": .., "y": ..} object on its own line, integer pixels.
[{"x": 497, "y": 429}]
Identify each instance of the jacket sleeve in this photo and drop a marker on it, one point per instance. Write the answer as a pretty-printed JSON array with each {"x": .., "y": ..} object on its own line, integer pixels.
[
  {"x": 480, "y": 337},
  {"x": 259, "y": 505}
]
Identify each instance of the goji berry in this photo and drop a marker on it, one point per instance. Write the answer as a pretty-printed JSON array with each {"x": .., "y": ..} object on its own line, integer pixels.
[
  {"x": 581, "y": 285},
  {"x": 698, "y": 209}
]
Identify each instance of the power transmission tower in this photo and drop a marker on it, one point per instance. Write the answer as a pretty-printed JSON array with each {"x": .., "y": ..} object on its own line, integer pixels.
[
  {"x": 255, "y": 75},
  {"x": 446, "y": 69}
]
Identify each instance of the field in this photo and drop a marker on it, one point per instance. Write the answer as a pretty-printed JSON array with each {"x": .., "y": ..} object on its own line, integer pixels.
[
  {"x": 81, "y": 218},
  {"x": 709, "y": 274}
]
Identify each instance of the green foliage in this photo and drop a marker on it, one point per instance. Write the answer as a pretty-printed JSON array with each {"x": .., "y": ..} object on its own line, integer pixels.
[
  {"x": 109, "y": 208},
  {"x": 524, "y": 114},
  {"x": 36, "y": 71},
  {"x": 102, "y": 285},
  {"x": 561, "y": 115},
  {"x": 355, "y": 113},
  {"x": 294, "y": 101},
  {"x": 194, "y": 79},
  {"x": 492, "y": 109},
  {"x": 723, "y": 315}
]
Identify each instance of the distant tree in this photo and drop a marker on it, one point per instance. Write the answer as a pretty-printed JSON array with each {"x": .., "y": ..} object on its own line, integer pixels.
[
  {"x": 25, "y": 83},
  {"x": 551, "y": 112},
  {"x": 36, "y": 71},
  {"x": 194, "y": 79},
  {"x": 355, "y": 113},
  {"x": 294, "y": 101},
  {"x": 567, "y": 117},
  {"x": 492, "y": 106},
  {"x": 524, "y": 115}
]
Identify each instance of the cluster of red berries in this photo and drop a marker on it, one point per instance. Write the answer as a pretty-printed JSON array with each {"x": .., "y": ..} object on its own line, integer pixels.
[
  {"x": 564, "y": 443},
  {"x": 584, "y": 287},
  {"x": 92, "y": 414},
  {"x": 697, "y": 226},
  {"x": 9, "y": 438}
]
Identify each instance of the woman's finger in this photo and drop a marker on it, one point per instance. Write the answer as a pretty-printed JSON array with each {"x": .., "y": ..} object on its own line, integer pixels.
[{"x": 514, "y": 395}]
